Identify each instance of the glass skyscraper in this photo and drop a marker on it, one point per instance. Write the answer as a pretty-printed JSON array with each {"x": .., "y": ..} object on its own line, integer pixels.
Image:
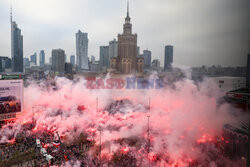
[
  {"x": 147, "y": 59},
  {"x": 168, "y": 57},
  {"x": 104, "y": 56},
  {"x": 42, "y": 58},
  {"x": 82, "y": 60},
  {"x": 16, "y": 47},
  {"x": 72, "y": 60}
]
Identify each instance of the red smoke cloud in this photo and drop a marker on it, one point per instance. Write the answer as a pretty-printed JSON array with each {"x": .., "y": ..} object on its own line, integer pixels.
[{"x": 182, "y": 117}]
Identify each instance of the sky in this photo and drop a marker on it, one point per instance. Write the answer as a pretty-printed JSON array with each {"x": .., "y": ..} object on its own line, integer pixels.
[{"x": 203, "y": 32}]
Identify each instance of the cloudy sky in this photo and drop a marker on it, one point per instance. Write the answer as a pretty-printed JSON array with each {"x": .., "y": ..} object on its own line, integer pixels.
[{"x": 203, "y": 32}]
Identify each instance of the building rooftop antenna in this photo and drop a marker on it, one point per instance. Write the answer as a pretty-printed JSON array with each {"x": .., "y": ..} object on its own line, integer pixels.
[
  {"x": 11, "y": 13},
  {"x": 128, "y": 8}
]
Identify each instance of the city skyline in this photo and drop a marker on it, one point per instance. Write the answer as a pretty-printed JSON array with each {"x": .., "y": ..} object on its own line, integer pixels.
[{"x": 222, "y": 43}]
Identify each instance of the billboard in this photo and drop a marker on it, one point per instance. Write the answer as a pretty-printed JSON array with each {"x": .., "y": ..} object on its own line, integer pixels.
[{"x": 11, "y": 97}]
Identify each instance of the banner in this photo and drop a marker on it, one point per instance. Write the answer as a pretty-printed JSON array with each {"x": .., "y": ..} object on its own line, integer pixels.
[{"x": 11, "y": 96}]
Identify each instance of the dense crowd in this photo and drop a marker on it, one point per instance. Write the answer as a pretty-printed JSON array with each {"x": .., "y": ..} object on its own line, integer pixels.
[
  {"x": 61, "y": 154},
  {"x": 64, "y": 155},
  {"x": 22, "y": 150},
  {"x": 8, "y": 150}
]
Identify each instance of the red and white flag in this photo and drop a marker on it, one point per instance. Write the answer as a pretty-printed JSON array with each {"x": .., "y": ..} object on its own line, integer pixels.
[{"x": 56, "y": 143}]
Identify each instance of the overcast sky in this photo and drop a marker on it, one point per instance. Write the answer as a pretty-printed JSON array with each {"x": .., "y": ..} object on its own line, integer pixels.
[{"x": 203, "y": 32}]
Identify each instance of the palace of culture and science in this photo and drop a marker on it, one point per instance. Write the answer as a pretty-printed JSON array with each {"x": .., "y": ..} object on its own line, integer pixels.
[{"x": 126, "y": 62}]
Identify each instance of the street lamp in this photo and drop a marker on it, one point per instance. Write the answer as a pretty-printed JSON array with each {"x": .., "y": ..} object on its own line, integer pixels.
[
  {"x": 148, "y": 148},
  {"x": 100, "y": 154},
  {"x": 97, "y": 104}
]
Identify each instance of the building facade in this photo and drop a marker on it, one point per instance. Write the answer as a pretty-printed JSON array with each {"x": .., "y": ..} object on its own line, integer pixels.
[
  {"x": 229, "y": 83},
  {"x": 92, "y": 58},
  {"x": 42, "y": 58},
  {"x": 156, "y": 64},
  {"x": 5, "y": 63},
  {"x": 26, "y": 62},
  {"x": 94, "y": 66},
  {"x": 147, "y": 59},
  {"x": 68, "y": 68},
  {"x": 82, "y": 60},
  {"x": 140, "y": 65},
  {"x": 58, "y": 60},
  {"x": 33, "y": 59},
  {"x": 168, "y": 58},
  {"x": 50, "y": 60},
  {"x": 138, "y": 51},
  {"x": 72, "y": 60},
  {"x": 126, "y": 61},
  {"x": 104, "y": 57},
  {"x": 16, "y": 47},
  {"x": 113, "y": 49}
]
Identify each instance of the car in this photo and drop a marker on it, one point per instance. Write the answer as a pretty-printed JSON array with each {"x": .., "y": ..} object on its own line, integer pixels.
[{"x": 9, "y": 103}]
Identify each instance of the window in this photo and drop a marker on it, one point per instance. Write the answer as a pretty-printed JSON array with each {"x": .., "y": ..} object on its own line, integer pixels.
[{"x": 221, "y": 81}]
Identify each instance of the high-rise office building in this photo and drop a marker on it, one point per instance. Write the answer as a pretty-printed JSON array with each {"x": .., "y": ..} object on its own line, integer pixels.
[
  {"x": 113, "y": 50},
  {"x": 94, "y": 66},
  {"x": 126, "y": 61},
  {"x": 104, "y": 56},
  {"x": 156, "y": 64},
  {"x": 42, "y": 58},
  {"x": 33, "y": 59},
  {"x": 82, "y": 60},
  {"x": 26, "y": 62},
  {"x": 5, "y": 63},
  {"x": 65, "y": 57},
  {"x": 138, "y": 51},
  {"x": 92, "y": 59},
  {"x": 2, "y": 64},
  {"x": 168, "y": 57},
  {"x": 68, "y": 68},
  {"x": 58, "y": 60},
  {"x": 147, "y": 59},
  {"x": 73, "y": 60},
  {"x": 16, "y": 47},
  {"x": 50, "y": 60}
]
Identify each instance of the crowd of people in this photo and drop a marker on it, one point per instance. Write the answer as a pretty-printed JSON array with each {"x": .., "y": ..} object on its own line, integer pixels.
[
  {"x": 25, "y": 153},
  {"x": 23, "y": 150}
]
